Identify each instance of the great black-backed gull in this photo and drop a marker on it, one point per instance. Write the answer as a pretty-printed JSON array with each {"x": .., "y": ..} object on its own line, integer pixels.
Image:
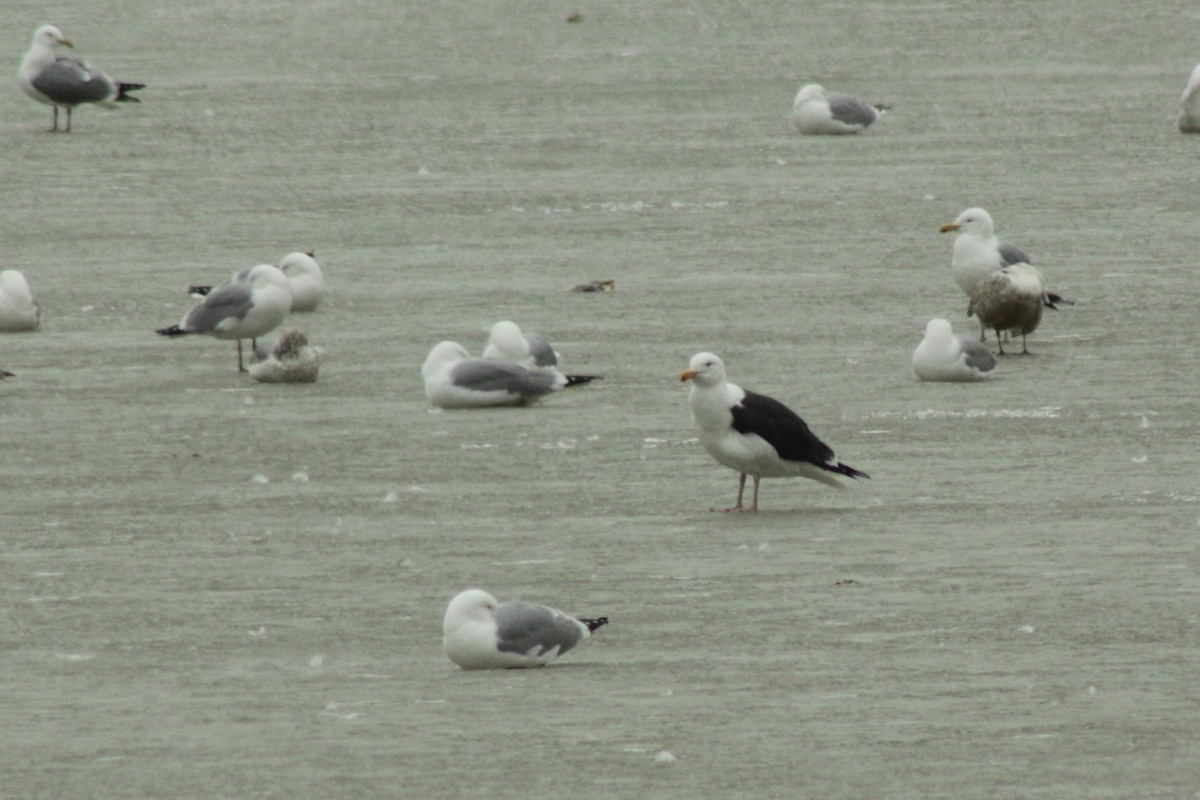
[
  {"x": 944, "y": 356},
  {"x": 815, "y": 111},
  {"x": 64, "y": 82},
  {"x": 479, "y": 632},
  {"x": 240, "y": 309},
  {"x": 754, "y": 434}
]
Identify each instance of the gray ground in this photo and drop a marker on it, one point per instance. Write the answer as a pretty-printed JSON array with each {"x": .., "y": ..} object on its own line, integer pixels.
[{"x": 214, "y": 588}]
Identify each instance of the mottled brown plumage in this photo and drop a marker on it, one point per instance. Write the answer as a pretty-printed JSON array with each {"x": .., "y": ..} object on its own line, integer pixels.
[{"x": 1010, "y": 299}]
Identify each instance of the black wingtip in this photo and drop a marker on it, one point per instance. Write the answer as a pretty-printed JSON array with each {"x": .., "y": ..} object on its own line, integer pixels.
[
  {"x": 1050, "y": 298},
  {"x": 592, "y": 624},
  {"x": 579, "y": 380},
  {"x": 123, "y": 90},
  {"x": 6, "y": 374},
  {"x": 174, "y": 330},
  {"x": 200, "y": 290},
  {"x": 848, "y": 471}
]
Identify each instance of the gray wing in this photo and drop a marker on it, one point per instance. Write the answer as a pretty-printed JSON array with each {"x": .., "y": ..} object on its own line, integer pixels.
[
  {"x": 229, "y": 300},
  {"x": 1012, "y": 255},
  {"x": 539, "y": 347},
  {"x": 522, "y": 627},
  {"x": 849, "y": 110},
  {"x": 501, "y": 376},
  {"x": 978, "y": 356},
  {"x": 69, "y": 82}
]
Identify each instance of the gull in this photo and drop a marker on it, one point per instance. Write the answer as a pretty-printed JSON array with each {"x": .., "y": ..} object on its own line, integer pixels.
[
  {"x": 19, "y": 309},
  {"x": 1010, "y": 299},
  {"x": 240, "y": 309},
  {"x": 815, "y": 111},
  {"x": 62, "y": 81},
  {"x": 287, "y": 358},
  {"x": 753, "y": 434},
  {"x": 453, "y": 379},
  {"x": 479, "y": 632},
  {"x": 944, "y": 356},
  {"x": 1189, "y": 104},
  {"x": 507, "y": 342}
]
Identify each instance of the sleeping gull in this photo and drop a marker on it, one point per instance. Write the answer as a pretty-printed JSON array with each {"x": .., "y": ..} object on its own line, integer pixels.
[
  {"x": 1189, "y": 104},
  {"x": 480, "y": 633},
  {"x": 453, "y": 379},
  {"x": 62, "y": 81},
  {"x": 754, "y": 434},
  {"x": 240, "y": 309},
  {"x": 507, "y": 342},
  {"x": 1010, "y": 299},
  {"x": 816, "y": 111},
  {"x": 19, "y": 310},
  {"x": 304, "y": 276},
  {"x": 287, "y": 358},
  {"x": 944, "y": 356}
]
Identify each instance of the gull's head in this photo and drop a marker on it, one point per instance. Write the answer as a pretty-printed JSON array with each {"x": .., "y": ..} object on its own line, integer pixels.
[
  {"x": 294, "y": 264},
  {"x": 443, "y": 353},
  {"x": 263, "y": 275},
  {"x": 506, "y": 337},
  {"x": 938, "y": 330},
  {"x": 50, "y": 36},
  {"x": 973, "y": 221},
  {"x": 471, "y": 605},
  {"x": 705, "y": 369},
  {"x": 811, "y": 91}
]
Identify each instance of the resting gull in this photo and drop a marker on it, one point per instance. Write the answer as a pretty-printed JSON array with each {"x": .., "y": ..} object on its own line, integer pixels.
[
  {"x": 62, "y": 81},
  {"x": 478, "y": 632},
  {"x": 240, "y": 309},
  {"x": 507, "y": 342},
  {"x": 1010, "y": 299},
  {"x": 815, "y": 111},
  {"x": 1189, "y": 104},
  {"x": 19, "y": 310},
  {"x": 944, "y": 356},
  {"x": 754, "y": 434},
  {"x": 304, "y": 276},
  {"x": 453, "y": 379},
  {"x": 287, "y": 358}
]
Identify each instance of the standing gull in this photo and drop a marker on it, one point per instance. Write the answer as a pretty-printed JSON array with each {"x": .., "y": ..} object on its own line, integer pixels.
[
  {"x": 62, "y": 81},
  {"x": 287, "y": 358},
  {"x": 507, "y": 342},
  {"x": 1010, "y": 298},
  {"x": 815, "y": 111},
  {"x": 1189, "y": 104},
  {"x": 19, "y": 310},
  {"x": 240, "y": 309},
  {"x": 754, "y": 434},
  {"x": 944, "y": 356},
  {"x": 478, "y": 632},
  {"x": 453, "y": 379}
]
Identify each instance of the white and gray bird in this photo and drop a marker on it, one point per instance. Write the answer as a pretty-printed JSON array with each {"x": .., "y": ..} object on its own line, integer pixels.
[
  {"x": 1010, "y": 299},
  {"x": 753, "y": 434},
  {"x": 19, "y": 309},
  {"x": 304, "y": 276},
  {"x": 945, "y": 356},
  {"x": 453, "y": 379},
  {"x": 479, "y": 632},
  {"x": 1189, "y": 104},
  {"x": 66, "y": 82},
  {"x": 240, "y": 309},
  {"x": 507, "y": 342},
  {"x": 286, "y": 358},
  {"x": 815, "y": 111}
]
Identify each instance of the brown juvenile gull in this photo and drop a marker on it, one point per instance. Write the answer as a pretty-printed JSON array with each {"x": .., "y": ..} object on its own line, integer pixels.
[
  {"x": 62, "y": 81},
  {"x": 754, "y": 434},
  {"x": 479, "y": 632},
  {"x": 815, "y": 111},
  {"x": 1010, "y": 299},
  {"x": 240, "y": 309},
  {"x": 287, "y": 358},
  {"x": 944, "y": 356},
  {"x": 507, "y": 342}
]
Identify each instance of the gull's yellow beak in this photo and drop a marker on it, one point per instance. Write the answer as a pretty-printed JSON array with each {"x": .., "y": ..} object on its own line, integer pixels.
[
  {"x": 949, "y": 226},
  {"x": 687, "y": 375},
  {"x": 67, "y": 42}
]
